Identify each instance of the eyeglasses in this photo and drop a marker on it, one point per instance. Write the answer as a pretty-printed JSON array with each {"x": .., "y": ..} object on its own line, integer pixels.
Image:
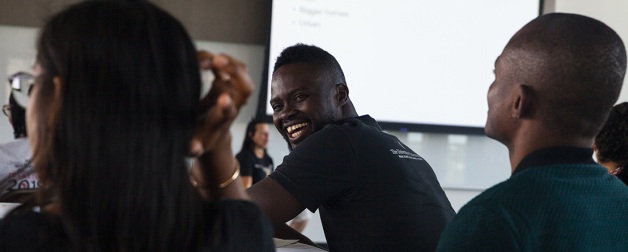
[
  {"x": 21, "y": 84},
  {"x": 6, "y": 109}
]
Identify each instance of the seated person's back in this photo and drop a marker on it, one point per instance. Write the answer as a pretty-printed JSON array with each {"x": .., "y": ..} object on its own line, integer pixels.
[{"x": 555, "y": 83}]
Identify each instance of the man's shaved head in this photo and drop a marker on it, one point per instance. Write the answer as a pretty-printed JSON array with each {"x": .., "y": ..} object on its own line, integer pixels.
[{"x": 574, "y": 64}]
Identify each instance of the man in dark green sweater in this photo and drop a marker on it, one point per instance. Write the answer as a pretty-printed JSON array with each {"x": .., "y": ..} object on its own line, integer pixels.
[{"x": 555, "y": 83}]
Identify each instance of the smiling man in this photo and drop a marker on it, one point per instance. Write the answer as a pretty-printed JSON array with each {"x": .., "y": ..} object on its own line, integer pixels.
[{"x": 373, "y": 192}]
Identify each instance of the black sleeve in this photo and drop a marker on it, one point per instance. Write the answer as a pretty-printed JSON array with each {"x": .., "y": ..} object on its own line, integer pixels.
[
  {"x": 321, "y": 168},
  {"x": 243, "y": 227}
]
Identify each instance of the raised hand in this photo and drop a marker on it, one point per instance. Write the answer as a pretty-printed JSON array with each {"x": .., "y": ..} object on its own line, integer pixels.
[
  {"x": 229, "y": 92},
  {"x": 215, "y": 171}
]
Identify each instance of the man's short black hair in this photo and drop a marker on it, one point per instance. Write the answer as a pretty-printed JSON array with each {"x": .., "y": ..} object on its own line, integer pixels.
[
  {"x": 579, "y": 63},
  {"x": 612, "y": 141},
  {"x": 302, "y": 53}
]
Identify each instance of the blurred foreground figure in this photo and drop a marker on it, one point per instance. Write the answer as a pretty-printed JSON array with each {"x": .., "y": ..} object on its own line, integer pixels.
[{"x": 114, "y": 113}]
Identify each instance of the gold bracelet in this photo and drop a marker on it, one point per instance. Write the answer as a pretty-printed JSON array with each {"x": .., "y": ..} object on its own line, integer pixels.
[
  {"x": 222, "y": 185},
  {"x": 230, "y": 180}
]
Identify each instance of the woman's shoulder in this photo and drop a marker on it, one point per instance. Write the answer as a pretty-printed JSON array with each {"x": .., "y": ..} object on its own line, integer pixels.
[
  {"x": 239, "y": 209},
  {"x": 244, "y": 220},
  {"x": 30, "y": 231},
  {"x": 240, "y": 226}
]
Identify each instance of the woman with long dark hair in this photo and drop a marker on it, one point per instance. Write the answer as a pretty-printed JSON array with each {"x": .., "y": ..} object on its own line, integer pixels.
[
  {"x": 255, "y": 163},
  {"x": 112, "y": 117}
]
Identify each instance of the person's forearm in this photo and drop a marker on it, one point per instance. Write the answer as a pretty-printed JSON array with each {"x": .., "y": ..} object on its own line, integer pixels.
[
  {"x": 220, "y": 183},
  {"x": 217, "y": 172}
]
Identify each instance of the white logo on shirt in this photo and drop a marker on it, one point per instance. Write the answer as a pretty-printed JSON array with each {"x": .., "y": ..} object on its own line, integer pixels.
[{"x": 405, "y": 154}]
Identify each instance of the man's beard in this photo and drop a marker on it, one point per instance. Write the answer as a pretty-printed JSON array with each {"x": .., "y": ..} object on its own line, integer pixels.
[{"x": 330, "y": 119}]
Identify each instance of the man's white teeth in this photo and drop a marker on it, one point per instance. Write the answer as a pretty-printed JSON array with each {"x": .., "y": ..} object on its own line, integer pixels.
[
  {"x": 295, "y": 127},
  {"x": 296, "y": 134}
]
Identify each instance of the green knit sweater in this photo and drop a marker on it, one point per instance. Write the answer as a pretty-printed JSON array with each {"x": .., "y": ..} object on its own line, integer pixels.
[{"x": 560, "y": 207}]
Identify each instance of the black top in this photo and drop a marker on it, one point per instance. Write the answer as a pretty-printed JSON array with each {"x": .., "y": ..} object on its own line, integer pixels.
[
  {"x": 241, "y": 227},
  {"x": 556, "y": 155},
  {"x": 250, "y": 165},
  {"x": 374, "y": 193}
]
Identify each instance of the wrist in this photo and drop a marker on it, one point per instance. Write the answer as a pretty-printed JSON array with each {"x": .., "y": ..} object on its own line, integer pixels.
[{"x": 216, "y": 178}]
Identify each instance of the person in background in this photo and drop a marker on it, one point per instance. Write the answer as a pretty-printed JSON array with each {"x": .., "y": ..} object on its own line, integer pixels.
[
  {"x": 15, "y": 112},
  {"x": 611, "y": 144},
  {"x": 373, "y": 192},
  {"x": 112, "y": 116},
  {"x": 555, "y": 84},
  {"x": 16, "y": 169},
  {"x": 255, "y": 163}
]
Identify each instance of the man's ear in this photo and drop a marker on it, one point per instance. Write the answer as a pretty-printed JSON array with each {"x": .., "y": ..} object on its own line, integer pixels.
[
  {"x": 522, "y": 105},
  {"x": 342, "y": 93}
]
